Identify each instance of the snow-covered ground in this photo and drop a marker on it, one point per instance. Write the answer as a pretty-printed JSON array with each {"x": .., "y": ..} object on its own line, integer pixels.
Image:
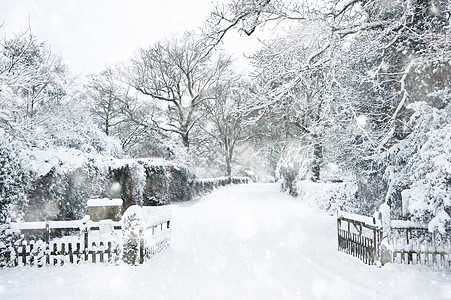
[{"x": 240, "y": 242}]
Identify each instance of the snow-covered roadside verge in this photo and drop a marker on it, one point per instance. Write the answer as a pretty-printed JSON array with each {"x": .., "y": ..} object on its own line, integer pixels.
[{"x": 240, "y": 242}]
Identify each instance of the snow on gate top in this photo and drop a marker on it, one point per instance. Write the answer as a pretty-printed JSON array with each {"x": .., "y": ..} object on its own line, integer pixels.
[{"x": 105, "y": 202}]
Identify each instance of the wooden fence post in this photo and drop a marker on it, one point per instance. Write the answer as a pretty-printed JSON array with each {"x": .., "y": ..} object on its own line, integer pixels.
[
  {"x": 338, "y": 230},
  {"x": 85, "y": 234},
  {"x": 385, "y": 254},
  {"x": 47, "y": 242},
  {"x": 71, "y": 253}
]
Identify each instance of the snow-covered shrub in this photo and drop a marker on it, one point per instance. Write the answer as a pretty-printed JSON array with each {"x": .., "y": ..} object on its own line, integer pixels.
[
  {"x": 287, "y": 176},
  {"x": 133, "y": 223},
  {"x": 9, "y": 237},
  {"x": 64, "y": 180},
  {"x": 13, "y": 180},
  {"x": 329, "y": 196},
  {"x": 294, "y": 164},
  {"x": 37, "y": 254},
  {"x": 428, "y": 198},
  {"x": 420, "y": 181},
  {"x": 200, "y": 187}
]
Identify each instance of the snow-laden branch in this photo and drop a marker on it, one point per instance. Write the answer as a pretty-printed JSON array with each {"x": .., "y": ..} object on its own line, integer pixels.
[{"x": 405, "y": 95}]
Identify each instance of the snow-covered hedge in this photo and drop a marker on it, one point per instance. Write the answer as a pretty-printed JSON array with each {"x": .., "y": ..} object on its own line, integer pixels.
[
  {"x": 202, "y": 186},
  {"x": 329, "y": 196},
  {"x": 60, "y": 182}
]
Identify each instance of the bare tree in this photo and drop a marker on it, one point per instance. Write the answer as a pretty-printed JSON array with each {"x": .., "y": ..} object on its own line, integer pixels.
[
  {"x": 32, "y": 80},
  {"x": 118, "y": 110},
  {"x": 292, "y": 76},
  {"x": 225, "y": 123},
  {"x": 179, "y": 74},
  {"x": 105, "y": 93}
]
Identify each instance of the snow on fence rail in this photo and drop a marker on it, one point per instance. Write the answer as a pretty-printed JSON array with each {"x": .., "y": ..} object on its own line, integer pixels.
[
  {"x": 106, "y": 241},
  {"x": 411, "y": 243},
  {"x": 206, "y": 185},
  {"x": 33, "y": 254},
  {"x": 58, "y": 242},
  {"x": 397, "y": 242},
  {"x": 359, "y": 236}
]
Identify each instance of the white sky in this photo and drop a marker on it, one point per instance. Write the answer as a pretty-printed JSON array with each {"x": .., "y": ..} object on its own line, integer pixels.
[{"x": 89, "y": 34}]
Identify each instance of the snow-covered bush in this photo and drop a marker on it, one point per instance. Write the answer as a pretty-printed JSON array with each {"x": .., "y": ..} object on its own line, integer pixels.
[
  {"x": 13, "y": 180},
  {"x": 294, "y": 164},
  {"x": 329, "y": 196},
  {"x": 133, "y": 223},
  {"x": 37, "y": 254},
  {"x": 420, "y": 181},
  {"x": 8, "y": 238},
  {"x": 428, "y": 198},
  {"x": 70, "y": 126},
  {"x": 287, "y": 176}
]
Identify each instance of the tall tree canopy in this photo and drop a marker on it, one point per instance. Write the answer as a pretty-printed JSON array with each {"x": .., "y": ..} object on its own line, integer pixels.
[{"x": 179, "y": 73}]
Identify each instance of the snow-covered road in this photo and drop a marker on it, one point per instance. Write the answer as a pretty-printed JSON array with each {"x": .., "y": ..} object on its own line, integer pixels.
[{"x": 240, "y": 242}]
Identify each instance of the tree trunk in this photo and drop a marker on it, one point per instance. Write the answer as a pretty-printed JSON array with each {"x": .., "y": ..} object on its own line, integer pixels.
[
  {"x": 107, "y": 125},
  {"x": 228, "y": 165},
  {"x": 228, "y": 147},
  {"x": 185, "y": 139},
  {"x": 317, "y": 148},
  {"x": 317, "y": 159}
]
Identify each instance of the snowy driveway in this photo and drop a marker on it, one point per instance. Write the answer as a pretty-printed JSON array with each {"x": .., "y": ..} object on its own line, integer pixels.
[{"x": 240, "y": 242}]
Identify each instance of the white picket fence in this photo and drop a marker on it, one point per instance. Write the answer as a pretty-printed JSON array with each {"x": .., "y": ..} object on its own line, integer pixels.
[
  {"x": 81, "y": 241},
  {"x": 402, "y": 242}
]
